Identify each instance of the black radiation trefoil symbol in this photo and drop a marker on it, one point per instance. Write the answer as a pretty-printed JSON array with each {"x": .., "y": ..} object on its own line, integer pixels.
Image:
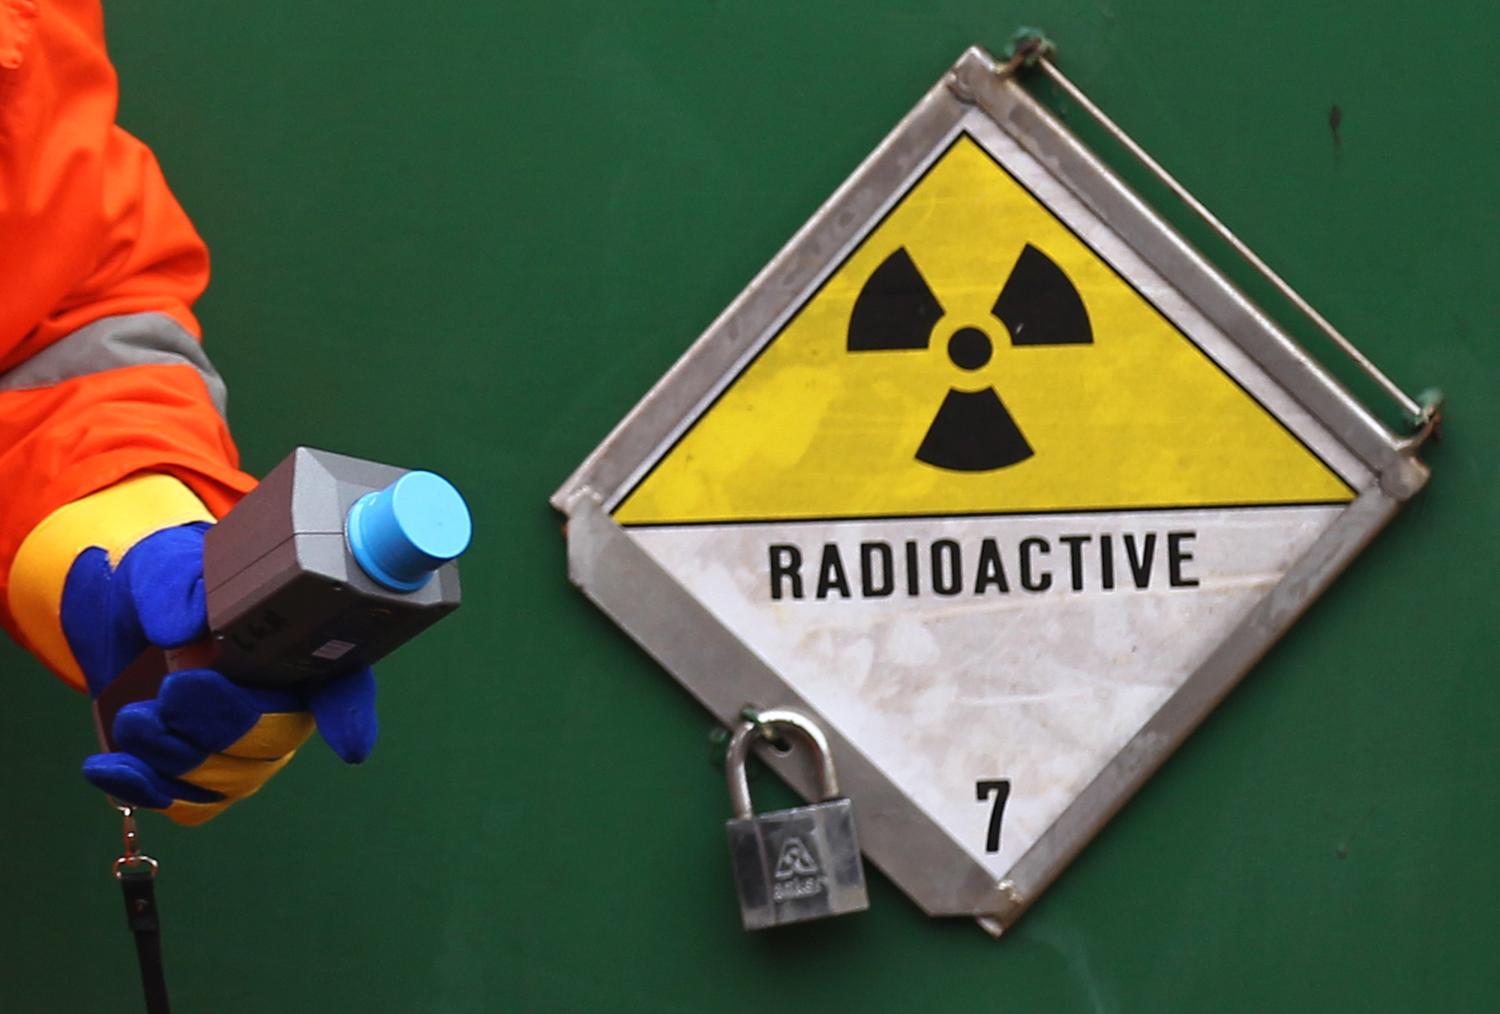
[{"x": 972, "y": 431}]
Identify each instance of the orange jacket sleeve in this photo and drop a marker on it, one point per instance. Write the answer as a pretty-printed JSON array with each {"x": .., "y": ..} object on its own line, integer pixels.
[{"x": 90, "y": 235}]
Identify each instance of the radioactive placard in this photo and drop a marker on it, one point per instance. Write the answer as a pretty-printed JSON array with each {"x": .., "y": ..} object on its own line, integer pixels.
[{"x": 993, "y": 475}]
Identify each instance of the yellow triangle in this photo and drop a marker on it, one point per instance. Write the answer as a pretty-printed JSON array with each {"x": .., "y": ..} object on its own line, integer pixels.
[{"x": 1138, "y": 418}]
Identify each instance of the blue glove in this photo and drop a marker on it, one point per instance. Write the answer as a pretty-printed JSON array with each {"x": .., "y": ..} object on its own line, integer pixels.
[{"x": 202, "y": 742}]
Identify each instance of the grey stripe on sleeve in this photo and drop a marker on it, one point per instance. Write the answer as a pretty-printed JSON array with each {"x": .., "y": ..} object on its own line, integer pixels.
[{"x": 113, "y": 343}]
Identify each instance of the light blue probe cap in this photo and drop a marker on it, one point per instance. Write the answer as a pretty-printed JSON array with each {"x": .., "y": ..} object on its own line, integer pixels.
[{"x": 403, "y": 533}]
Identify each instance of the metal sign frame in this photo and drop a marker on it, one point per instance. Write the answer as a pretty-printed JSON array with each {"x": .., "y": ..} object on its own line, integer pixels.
[{"x": 725, "y": 674}]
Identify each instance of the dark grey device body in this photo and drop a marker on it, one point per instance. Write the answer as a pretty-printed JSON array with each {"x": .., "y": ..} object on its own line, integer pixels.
[{"x": 287, "y": 602}]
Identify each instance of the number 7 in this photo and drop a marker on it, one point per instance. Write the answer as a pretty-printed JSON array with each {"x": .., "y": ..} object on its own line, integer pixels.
[{"x": 1001, "y": 789}]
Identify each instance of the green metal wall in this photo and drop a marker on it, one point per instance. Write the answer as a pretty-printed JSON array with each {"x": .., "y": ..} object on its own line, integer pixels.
[{"x": 471, "y": 235}]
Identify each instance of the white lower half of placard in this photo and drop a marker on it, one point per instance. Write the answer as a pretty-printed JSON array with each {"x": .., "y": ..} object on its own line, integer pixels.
[{"x": 1024, "y": 648}]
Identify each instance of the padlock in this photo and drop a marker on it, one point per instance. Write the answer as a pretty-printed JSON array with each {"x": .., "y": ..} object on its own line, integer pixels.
[{"x": 797, "y": 864}]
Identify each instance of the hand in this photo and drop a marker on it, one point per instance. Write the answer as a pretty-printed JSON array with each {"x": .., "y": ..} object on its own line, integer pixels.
[{"x": 202, "y": 742}]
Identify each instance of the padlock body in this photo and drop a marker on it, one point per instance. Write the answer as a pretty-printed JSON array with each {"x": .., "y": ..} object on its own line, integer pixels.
[{"x": 798, "y": 864}]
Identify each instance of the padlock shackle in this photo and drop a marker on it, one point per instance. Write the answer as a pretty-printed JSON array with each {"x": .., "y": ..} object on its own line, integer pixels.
[{"x": 776, "y": 720}]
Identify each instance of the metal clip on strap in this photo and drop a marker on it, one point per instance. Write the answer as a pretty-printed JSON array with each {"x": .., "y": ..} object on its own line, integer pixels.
[{"x": 136, "y": 873}]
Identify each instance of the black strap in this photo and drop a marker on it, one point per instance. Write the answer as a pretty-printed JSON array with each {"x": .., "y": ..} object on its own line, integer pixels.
[{"x": 145, "y": 924}]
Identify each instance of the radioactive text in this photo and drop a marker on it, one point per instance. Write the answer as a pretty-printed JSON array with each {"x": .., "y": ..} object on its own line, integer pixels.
[{"x": 1080, "y": 562}]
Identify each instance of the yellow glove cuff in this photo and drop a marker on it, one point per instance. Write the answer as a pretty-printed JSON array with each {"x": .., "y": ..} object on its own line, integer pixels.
[
  {"x": 245, "y": 765},
  {"x": 114, "y": 519}
]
